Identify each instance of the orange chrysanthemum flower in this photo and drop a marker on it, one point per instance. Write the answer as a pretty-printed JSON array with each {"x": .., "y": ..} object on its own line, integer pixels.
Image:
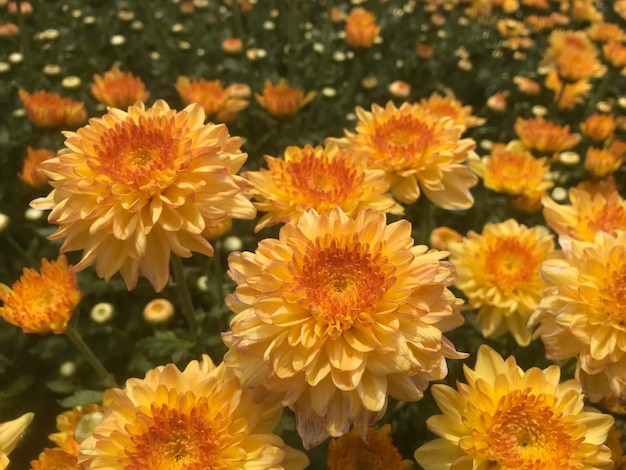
[
  {"x": 567, "y": 95},
  {"x": 374, "y": 451},
  {"x": 615, "y": 55},
  {"x": 544, "y": 136},
  {"x": 498, "y": 271},
  {"x": 573, "y": 66},
  {"x": 317, "y": 178},
  {"x": 441, "y": 238},
  {"x": 55, "y": 459},
  {"x": 361, "y": 29},
  {"x": 132, "y": 187},
  {"x": 586, "y": 215},
  {"x": 508, "y": 418},
  {"x": 449, "y": 106},
  {"x": 511, "y": 169},
  {"x": 42, "y": 302},
  {"x": 51, "y": 110},
  {"x": 561, "y": 40},
  {"x": 75, "y": 425},
  {"x": 118, "y": 89},
  {"x": 598, "y": 127},
  {"x": 604, "y": 32},
  {"x": 218, "y": 102},
  {"x": 337, "y": 314},
  {"x": 582, "y": 313},
  {"x": 282, "y": 100},
  {"x": 414, "y": 146},
  {"x": 31, "y": 174},
  {"x": 601, "y": 162},
  {"x": 199, "y": 418}
]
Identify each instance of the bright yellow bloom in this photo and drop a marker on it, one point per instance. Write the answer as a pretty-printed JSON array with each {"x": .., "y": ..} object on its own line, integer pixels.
[
  {"x": 498, "y": 271},
  {"x": 449, "y": 106},
  {"x": 31, "y": 174},
  {"x": 374, "y": 451},
  {"x": 74, "y": 426},
  {"x": 361, "y": 29},
  {"x": 132, "y": 187},
  {"x": 414, "y": 146},
  {"x": 282, "y": 100},
  {"x": 10, "y": 434},
  {"x": 544, "y": 136},
  {"x": 118, "y": 89},
  {"x": 51, "y": 110},
  {"x": 317, "y": 178},
  {"x": 42, "y": 302},
  {"x": 587, "y": 214},
  {"x": 222, "y": 104},
  {"x": 200, "y": 418},
  {"x": 55, "y": 459},
  {"x": 583, "y": 313},
  {"x": 509, "y": 419},
  {"x": 337, "y": 314}
]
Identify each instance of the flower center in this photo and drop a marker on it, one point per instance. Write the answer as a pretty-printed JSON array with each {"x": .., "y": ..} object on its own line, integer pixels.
[
  {"x": 528, "y": 433},
  {"x": 613, "y": 296},
  {"x": 342, "y": 281},
  {"x": 175, "y": 439},
  {"x": 510, "y": 264},
  {"x": 141, "y": 155},
  {"x": 401, "y": 140},
  {"x": 610, "y": 217}
]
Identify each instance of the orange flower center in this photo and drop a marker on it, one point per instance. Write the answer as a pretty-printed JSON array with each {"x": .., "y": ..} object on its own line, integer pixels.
[
  {"x": 400, "y": 139},
  {"x": 613, "y": 295},
  {"x": 173, "y": 439},
  {"x": 528, "y": 433},
  {"x": 140, "y": 155},
  {"x": 610, "y": 217},
  {"x": 510, "y": 264},
  {"x": 342, "y": 281}
]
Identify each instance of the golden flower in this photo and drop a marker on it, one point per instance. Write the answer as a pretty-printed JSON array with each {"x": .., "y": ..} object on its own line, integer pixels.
[
  {"x": 544, "y": 136},
  {"x": 158, "y": 311},
  {"x": 508, "y": 418},
  {"x": 51, "y": 110},
  {"x": 586, "y": 215},
  {"x": 567, "y": 95},
  {"x": 399, "y": 89},
  {"x": 361, "y": 28},
  {"x": 337, "y": 314},
  {"x": 441, "y": 237},
  {"x": 498, "y": 271},
  {"x": 538, "y": 23},
  {"x": 42, "y": 302},
  {"x": 221, "y": 103},
  {"x": 118, "y": 89},
  {"x": 511, "y": 169},
  {"x": 74, "y": 426},
  {"x": 132, "y": 187},
  {"x": 583, "y": 312},
  {"x": 199, "y": 418},
  {"x": 31, "y": 173},
  {"x": 574, "y": 65},
  {"x": 561, "y": 40},
  {"x": 374, "y": 451},
  {"x": 615, "y": 54},
  {"x": 598, "y": 127},
  {"x": 605, "y": 32},
  {"x": 283, "y": 100},
  {"x": 55, "y": 459},
  {"x": 317, "y": 178},
  {"x": 449, "y": 106},
  {"x": 601, "y": 162},
  {"x": 10, "y": 434},
  {"x": 414, "y": 146},
  {"x": 232, "y": 45}
]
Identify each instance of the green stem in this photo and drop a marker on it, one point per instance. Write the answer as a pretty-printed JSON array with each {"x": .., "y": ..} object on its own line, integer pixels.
[
  {"x": 326, "y": 42},
  {"x": 185, "y": 296},
  {"x": 219, "y": 275},
  {"x": 92, "y": 359},
  {"x": 597, "y": 96},
  {"x": 24, "y": 44},
  {"x": 292, "y": 32},
  {"x": 239, "y": 31}
]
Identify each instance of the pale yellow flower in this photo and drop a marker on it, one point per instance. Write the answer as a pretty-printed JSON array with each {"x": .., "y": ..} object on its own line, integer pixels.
[{"x": 10, "y": 434}]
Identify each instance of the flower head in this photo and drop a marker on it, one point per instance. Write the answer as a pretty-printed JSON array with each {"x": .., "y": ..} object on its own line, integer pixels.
[
  {"x": 31, "y": 174},
  {"x": 42, "y": 302},
  {"x": 55, "y": 459},
  {"x": 118, "y": 89},
  {"x": 337, "y": 314},
  {"x": 132, "y": 187},
  {"x": 544, "y": 136},
  {"x": 507, "y": 418},
  {"x": 51, "y": 110},
  {"x": 218, "y": 102},
  {"x": 199, "y": 418},
  {"x": 317, "y": 178},
  {"x": 10, "y": 434},
  {"x": 361, "y": 28},
  {"x": 598, "y": 127},
  {"x": 416, "y": 149},
  {"x": 449, "y": 106},
  {"x": 498, "y": 271},
  {"x": 601, "y": 162},
  {"x": 74, "y": 425},
  {"x": 583, "y": 312},
  {"x": 567, "y": 95},
  {"x": 375, "y": 450},
  {"x": 282, "y": 100}
]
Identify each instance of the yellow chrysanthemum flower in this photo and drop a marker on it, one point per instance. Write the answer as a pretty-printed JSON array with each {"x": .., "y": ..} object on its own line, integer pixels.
[
  {"x": 374, "y": 451},
  {"x": 75, "y": 425},
  {"x": 282, "y": 100},
  {"x": 132, "y": 187},
  {"x": 10, "y": 434},
  {"x": 544, "y": 136},
  {"x": 583, "y": 312},
  {"x": 42, "y": 302},
  {"x": 511, "y": 419},
  {"x": 416, "y": 149},
  {"x": 118, "y": 89},
  {"x": 498, "y": 271},
  {"x": 449, "y": 106},
  {"x": 55, "y": 459},
  {"x": 587, "y": 214},
  {"x": 199, "y": 418},
  {"x": 317, "y": 178},
  {"x": 337, "y": 314}
]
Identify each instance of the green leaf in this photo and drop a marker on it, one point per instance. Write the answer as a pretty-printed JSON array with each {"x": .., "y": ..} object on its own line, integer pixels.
[
  {"x": 60, "y": 386},
  {"x": 165, "y": 344},
  {"x": 18, "y": 386}
]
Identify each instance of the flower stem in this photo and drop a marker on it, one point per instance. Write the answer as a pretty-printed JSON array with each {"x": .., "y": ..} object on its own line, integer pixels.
[
  {"x": 185, "y": 296},
  {"x": 24, "y": 43},
  {"x": 92, "y": 359},
  {"x": 238, "y": 26},
  {"x": 292, "y": 31}
]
